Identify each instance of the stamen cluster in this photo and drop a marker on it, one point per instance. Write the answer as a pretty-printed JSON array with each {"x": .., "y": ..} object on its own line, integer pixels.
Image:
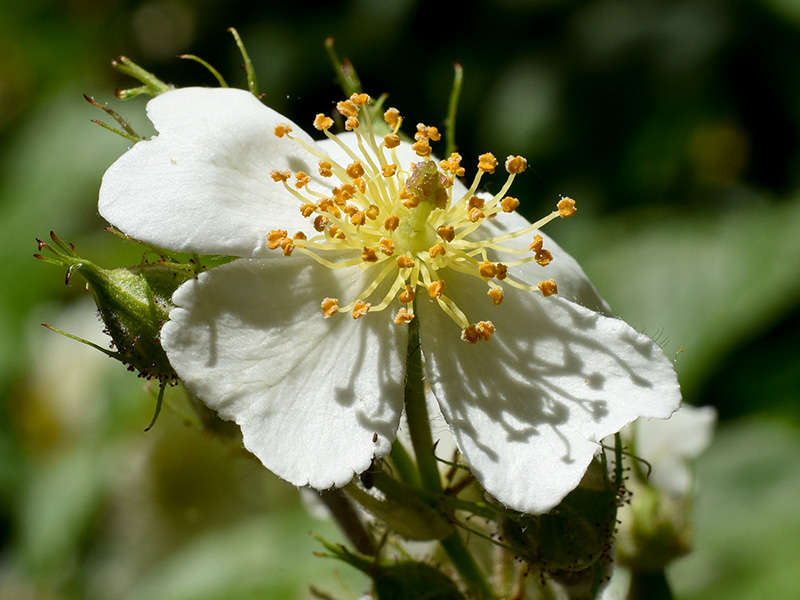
[{"x": 402, "y": 222}]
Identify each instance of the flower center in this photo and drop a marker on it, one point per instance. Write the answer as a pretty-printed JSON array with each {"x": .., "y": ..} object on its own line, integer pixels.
[{"x": 403, "y": 224}]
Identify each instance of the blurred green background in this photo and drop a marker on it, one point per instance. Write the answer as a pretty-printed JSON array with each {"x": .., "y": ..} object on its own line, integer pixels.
[{"x": 675, "y": 125}]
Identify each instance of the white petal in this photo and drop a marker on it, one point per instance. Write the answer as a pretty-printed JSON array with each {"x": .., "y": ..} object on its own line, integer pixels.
[
  {"x": 528, "y": 406},
  {"x": 573, "y": 284},
  {"x": 669, "y": 445},
  {"x": 203, "y": 184},
  {"x": 309, "y": 393}
]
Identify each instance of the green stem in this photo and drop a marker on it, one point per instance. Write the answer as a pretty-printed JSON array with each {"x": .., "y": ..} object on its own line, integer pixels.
[
  {"x": 422, "y": 441},
  {"x": 452, "y": 109},
  {"x": 650, "y": 585}
]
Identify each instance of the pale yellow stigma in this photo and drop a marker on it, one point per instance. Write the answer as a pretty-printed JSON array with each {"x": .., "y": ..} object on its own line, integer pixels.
[{"x": 403, "y": 226}]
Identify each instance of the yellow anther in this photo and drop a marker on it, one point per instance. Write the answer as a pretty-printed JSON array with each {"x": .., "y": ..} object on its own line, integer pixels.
[
  {"x": 422, "y": 132},
  {"x": 354, "y": 169},
  {"x": 358, "y": 218},
  {"x": 422, "y": 148},
  {"x": 404, "y": 261},
  {"x": 453, "y": 165},
  {"x": 327, "y": 205},
  {"x": 344, "y": 193},
  {"x": 407, "y": 295},
  {"x": 496, "y": 294},
  {"x": 335, "y": 232},
  {"x": 509, "y": 204},
  {"x": 566, "y": 207},
  {"x": 360, "y": 309},
  {"x": 347, "y": 108},
  {"x": 487, "y": 269},
  {"x": 548, "y": 288},
  {"x": 372, "y": 212},
  {"x": 476, "y": 202},
  {"x": 351, "y": 123},
  {"x": 320, "y": 223},
  {"x": 389, "y": 170},
  {"x": 360, "y": 99},
  {"x": 436, "y": 250},
  {"x": 282, "y": 129},
  {"x": 433, "y": 134},
  {"x": 391, "y": 222},
  {"x": 436, "y": 288},
  {"x": 349, "y": 210},
  {"x": 386, "y": 246},
  {"x": 274, "y": 238},
  {"x": 330, "y": 306},
  {"x": 393, "y": 118},
  {"x": 543, "y": 257},
  {"x": 487, "y": 163},
  {"x": 287, "y": 245},
  {"x": 361, "y": 184},
  {"x": 322, "y": 122},
  {"x": 280, "y": 175},
  {"x": 516, "y": 164},
  {"x": 325, "y": 168},
  {"x": 409, "y": 200},
  {"x": 308, "y": 209},
  {"x": 446, "y": 232},
  {"x": 299, "y": 236},
  {"x": 302, "y": 180},
  {"x": 502, "y": 271},
  {"x": 485, "y": 330},
  {"x": 475, "y": 215},
  {"x": 391, "y": 140},
  {"x": 368, "y": 255},
  {"x": 480, "y": 332},
  {"x": 403, "y": 316}
]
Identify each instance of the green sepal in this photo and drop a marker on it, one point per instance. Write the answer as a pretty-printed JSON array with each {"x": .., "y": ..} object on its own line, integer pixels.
[
  {"x": 572, "y": 536},
  {"x": 405, "y": 580},
  {"x": 402, "y": 509}
]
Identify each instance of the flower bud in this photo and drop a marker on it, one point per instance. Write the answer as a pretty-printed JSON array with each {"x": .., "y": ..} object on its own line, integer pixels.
[{"x": 574, "y": 534}]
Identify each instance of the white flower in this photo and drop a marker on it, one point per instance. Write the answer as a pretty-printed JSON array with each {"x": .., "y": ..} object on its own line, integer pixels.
[{"x": 317, "y": 398}]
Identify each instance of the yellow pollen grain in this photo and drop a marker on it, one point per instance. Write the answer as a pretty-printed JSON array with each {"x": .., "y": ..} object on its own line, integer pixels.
[
  {"x": 509, "y": 204},
  {"x": 368, "y": 255},
  {"x": 548, "y": 288},
  {"x": 407, "y": 295},
  {"x": 352, "y": 123},
  {"x": 422, "y": 148},
  {"x": 360, "y": 99},
  {"x": 372, "y": 212},
  {"x": 322, "y": 122},
  {"x": 389, "y": 170},
  {"x": 393, "y": 118},
  {"x": 325, "y": 168},
  {"x": 436, "y": 250},
  {"x": 330, "y": 306},
  {"x": 354, "y": 169},
  {"x": 487, "y": 269},
  {"x": 487, "y": 163},
  {"x": 386, "y": 246},
  {"x": 280, "y": 175},
  {"x": 436, "y": 288},
  {"x": 274, "y": 238},
  {"x": 496, "y": 294},
  {"x": 403, "y": 316},
  {"x": 347, "y": 108},
  {"x": 566, "y": 207},
  {"x": 404, "y": 261},
  {"x": 516, "y": 164},
  {"x": 391, "y": 140},
  {"x": 282, "y": 129},
  {"x": 391, "y": 222},
  {"x": 475, "y": 215},
  {"x": 360, "y": 309},
  {"x": 446, "y": 232},
  {"x": 302, "y": 180}
]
